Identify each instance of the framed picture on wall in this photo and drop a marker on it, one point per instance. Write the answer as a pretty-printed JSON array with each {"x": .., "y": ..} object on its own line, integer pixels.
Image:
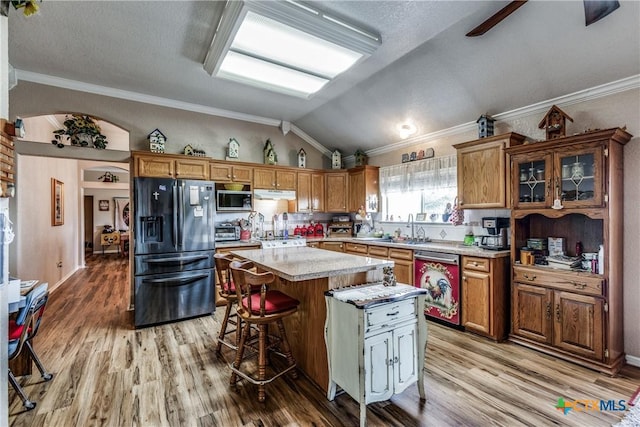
[
  {"x": 57, "y": 202},
  {"x": 103, "y": 205},
  {"x": 122, "y": 213}
]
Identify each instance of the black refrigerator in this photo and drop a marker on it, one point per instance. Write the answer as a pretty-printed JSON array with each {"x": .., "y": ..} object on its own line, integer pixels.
[{"x": 174, "y": 270}]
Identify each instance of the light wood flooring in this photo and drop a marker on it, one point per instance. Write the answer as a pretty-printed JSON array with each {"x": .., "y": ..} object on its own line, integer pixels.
[{"x": 109, "y": 374}]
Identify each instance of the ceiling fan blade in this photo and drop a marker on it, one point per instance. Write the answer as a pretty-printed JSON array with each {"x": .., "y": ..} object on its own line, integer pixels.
[
  {"x": 596, "y": 10},
  {"x": 496, "y": 18}
]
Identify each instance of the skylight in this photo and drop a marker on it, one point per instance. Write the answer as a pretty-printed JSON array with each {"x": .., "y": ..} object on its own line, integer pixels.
[{"x": 288, "y": 47}]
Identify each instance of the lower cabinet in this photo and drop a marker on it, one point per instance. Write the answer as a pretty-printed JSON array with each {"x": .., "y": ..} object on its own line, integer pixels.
[
  {"x": 402, "y": 264},
  {"x": 333, "y": 246},
  {"x": 563, "y": 320},
  {"x": 375, "y": 350},
  {"x": 485, "y": 296}
]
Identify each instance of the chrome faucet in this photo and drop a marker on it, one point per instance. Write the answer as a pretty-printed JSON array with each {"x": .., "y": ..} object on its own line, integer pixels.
[{"x": 410, "y": 224}]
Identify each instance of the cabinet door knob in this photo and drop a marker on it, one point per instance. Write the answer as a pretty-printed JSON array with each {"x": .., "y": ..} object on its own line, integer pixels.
[
  {"x": 558, "y": 317},
  {"x": 530, "y": 278},
  {"x": 548, "y": 311}
]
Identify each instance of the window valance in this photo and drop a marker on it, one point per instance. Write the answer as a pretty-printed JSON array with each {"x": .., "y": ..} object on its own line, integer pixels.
[{"x": 438, "y": 172}]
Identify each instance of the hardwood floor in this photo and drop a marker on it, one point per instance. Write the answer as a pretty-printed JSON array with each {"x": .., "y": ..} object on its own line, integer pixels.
[{"x": 107, "y": 373}]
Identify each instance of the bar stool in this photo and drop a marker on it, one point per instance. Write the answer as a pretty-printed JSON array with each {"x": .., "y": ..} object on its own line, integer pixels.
[
  {"x": 261, "y": 309},
  {"x": 228, "y": 293}
]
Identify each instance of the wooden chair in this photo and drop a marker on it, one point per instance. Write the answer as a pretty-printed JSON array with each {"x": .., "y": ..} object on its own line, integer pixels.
[
  {"x": 261, "y": 309},
  {"x": 228, "y": 293}
]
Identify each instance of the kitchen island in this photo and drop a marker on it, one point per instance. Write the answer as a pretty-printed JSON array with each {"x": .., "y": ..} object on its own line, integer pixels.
[{"x": 306, "y": 274}]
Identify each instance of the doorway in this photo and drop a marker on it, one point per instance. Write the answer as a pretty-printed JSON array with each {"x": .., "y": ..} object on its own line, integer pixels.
[{"x": 88, "y": 226}]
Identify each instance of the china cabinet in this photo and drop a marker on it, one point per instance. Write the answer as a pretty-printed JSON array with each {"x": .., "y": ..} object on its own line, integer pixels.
[
  {"x": 483, "y": 172},
  {"x": 570, "y": 188},
  {"x": 336, "y": 197}
]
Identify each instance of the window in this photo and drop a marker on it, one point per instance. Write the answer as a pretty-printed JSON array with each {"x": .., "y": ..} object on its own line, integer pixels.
[{"x": 425, "y": 186}]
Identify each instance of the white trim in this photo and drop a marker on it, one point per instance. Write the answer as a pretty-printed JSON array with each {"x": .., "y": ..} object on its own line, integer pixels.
[
  {"x": 139, "y": 97},
  {"x": 622, "y": 85},
  {"x": 601, "y": 91},
  {"x": 633, "y": 360}
]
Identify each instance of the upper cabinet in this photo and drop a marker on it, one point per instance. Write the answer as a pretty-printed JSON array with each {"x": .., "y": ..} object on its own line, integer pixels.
[
  {"x": 571, "y": 173},
  {"x": 364, "y": 188},
  {"x": 274, "y": 178},
  {"x": 483, "y": 172},
  {"x": 336, "y": 200},
  {"x": 225, "y": 172},
  {"x": 310, "y": 192},
  {"x": 170, "y": 166}
]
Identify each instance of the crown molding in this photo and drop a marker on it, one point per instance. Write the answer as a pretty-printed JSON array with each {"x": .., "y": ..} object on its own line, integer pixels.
[
  {"x": 622, "y": 85},
  {"x": 596, "y": 92}
]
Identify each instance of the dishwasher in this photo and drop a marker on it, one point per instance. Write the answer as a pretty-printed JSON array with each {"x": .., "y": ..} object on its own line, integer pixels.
[{"x": 439, "y": 274}]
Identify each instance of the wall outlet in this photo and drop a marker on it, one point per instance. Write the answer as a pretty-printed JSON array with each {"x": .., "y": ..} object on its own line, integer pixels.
[{"x": 59, "y": 265}]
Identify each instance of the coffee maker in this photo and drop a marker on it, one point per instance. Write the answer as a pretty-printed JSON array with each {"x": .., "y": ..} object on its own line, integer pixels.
[{"x": 497, "y": 228}]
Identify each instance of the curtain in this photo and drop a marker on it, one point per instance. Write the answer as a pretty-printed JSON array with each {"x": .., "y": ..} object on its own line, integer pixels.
[
  {"x": 427, "y": 174},
  {"x": 122, "y": 214}
]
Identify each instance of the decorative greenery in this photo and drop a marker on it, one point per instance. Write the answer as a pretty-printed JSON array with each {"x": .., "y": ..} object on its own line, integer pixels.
[
  {"x": 80, "y": 130},
  {"x": 30, "y": 6}
]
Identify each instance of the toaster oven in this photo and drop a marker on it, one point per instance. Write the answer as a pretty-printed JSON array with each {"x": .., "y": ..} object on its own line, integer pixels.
[{"x": 226, "y": 232}]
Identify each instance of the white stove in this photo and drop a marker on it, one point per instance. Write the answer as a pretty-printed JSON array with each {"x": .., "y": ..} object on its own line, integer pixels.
[{"x": 283, "y": 243}]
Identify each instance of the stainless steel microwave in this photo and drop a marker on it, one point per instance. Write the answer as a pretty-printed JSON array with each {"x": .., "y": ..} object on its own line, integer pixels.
[{"x": 234, "y": 201}]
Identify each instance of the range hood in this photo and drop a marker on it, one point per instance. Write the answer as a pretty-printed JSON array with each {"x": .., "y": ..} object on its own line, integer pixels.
[{"x": 274, "y": 194}]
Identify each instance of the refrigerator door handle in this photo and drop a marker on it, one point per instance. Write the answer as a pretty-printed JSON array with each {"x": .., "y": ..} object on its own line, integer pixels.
[
  {"x": 175, "y": 260},
  {"x": 174, "y": 215},
  {"x": 180, "y": 206},
  {"x": 175, "y": 281}
]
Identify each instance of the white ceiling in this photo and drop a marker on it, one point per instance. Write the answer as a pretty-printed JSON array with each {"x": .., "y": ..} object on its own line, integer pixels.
[{"x": 426, "y": 69}]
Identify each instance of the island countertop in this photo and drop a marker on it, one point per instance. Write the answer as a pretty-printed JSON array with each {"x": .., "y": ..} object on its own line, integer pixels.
[{"x": 303, "y": 263}]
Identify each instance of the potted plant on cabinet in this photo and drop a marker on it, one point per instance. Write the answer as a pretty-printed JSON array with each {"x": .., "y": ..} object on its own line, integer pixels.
[{"x": 80, "y": 130}]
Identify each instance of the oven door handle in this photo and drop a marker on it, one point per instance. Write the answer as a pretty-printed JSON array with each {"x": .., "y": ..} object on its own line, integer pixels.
[
  {"x": 437, "y": 259},
  {"x": 175, "y": 281}
]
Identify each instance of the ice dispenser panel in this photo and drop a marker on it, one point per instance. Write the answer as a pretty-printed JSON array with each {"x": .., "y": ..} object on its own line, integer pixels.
[{"x": 151, "y": 228}]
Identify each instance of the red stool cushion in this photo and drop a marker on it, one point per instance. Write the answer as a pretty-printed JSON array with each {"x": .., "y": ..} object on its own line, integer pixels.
[
  {"x": 229, "y": 287},
  {"x": 274, "y": 302},
  {"x": 14, "y": 330}
]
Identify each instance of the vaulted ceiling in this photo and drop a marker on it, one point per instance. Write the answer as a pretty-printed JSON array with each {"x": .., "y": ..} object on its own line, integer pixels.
[{"x": 426, "y": 70}]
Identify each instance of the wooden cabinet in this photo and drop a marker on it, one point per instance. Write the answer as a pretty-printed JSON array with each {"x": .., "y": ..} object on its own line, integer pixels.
[
  {"x": 336, "y": 196},
  {"x": 572, "y": 174},
  {"x": 570, "y": 321},
  {"x": 483, "y": 172},
  {"x": 485, "y": 296},
  {"x": 402, "y": 258},
  {"x": 310, "y": 192},
  {"x": 363, "y": 188},
  {"x": 402, "y": 264},
  {"x": 574, "y": 315},
  {"x": 170, "y": 166},
  {"x": 380, "y": 354},
  {"x": 274, "y": 179},
  {"x": 333, "y": 246},
  {"x": 225, "y": 172}
]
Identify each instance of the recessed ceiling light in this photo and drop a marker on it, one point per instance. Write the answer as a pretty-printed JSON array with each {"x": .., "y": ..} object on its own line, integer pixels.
[{"x": 289, "y": 47}]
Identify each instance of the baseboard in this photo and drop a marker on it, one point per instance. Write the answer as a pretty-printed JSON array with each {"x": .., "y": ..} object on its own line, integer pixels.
[
  {"x": 61, "y": 281},
  {"x": 633, "y": 360}
]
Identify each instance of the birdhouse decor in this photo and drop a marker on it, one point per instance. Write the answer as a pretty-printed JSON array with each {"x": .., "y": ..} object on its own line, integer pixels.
[
  {"x": 361, "y": 158},
  {"x": 554, "y": 123},
  {"x": 485, "y": 126},
  {"x": 302, "y": 158},
  {"x": 233, "y": 149},
  {"x": 270, "y": 156},
  {"x": 188, "y": 150},
  {"x": 336, "y": 160},
  {"x": 157, "y": 141}
]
